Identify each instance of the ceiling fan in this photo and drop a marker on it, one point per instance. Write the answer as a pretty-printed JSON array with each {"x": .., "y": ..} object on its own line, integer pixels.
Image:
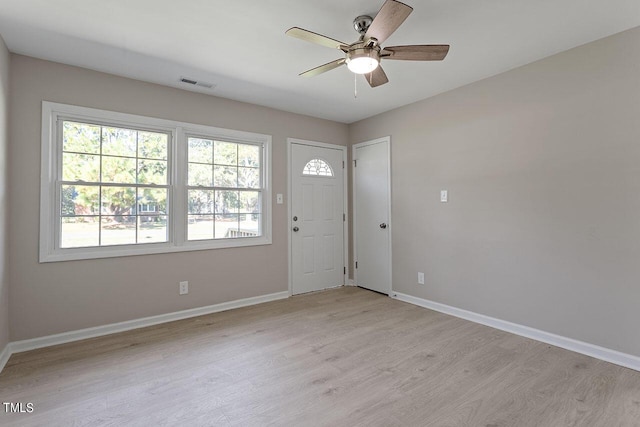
[{"x": 364, "y": 56}]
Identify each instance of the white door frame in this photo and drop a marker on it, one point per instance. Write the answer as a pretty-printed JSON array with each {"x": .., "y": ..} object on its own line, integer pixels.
[
  {"x": 386, "y": 139},
  {"x": 345, "y": 204}
]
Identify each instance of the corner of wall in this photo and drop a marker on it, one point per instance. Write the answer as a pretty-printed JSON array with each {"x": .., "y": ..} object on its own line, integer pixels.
[{"x": 4, "y": 142}]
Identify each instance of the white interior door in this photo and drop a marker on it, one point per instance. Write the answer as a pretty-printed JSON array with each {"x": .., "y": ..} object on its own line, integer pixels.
[
  {"x": 317, "y": 217},
  {"x": 372, "y": 215}
]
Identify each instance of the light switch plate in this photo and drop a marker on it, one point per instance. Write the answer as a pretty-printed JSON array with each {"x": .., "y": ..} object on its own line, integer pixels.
[
  {"x": 279, "y": 198},
  {"x": 444, "y": 196}
]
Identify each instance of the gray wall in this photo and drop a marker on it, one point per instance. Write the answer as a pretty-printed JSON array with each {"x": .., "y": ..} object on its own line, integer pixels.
[
  {"x": 4, "y": 138},
  {"x": 542, "y": 228},
  {"x": 542, "y": 164},
  {"x": 57, "y": 297}
]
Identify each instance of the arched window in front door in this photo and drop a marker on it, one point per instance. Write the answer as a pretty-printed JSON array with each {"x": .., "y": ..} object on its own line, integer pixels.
[{"x": 317, "y": 167}]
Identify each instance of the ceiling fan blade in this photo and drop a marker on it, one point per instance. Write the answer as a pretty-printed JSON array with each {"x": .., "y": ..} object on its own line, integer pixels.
[
  {"x": 316, "y": 38},
  {"x": 377, "y": 77},
  {"x": 391, "y": 15},
  {"x": 323, "y": 68},
  {"x": 422, "y": 52}
]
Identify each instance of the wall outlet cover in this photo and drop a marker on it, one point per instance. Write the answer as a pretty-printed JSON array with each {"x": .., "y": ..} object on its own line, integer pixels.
[{"x": 184, "y": 288}]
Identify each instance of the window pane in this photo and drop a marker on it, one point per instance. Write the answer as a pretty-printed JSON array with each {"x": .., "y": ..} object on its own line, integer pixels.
[
  {"x": 118, "y": 170},
  {"x": 249, "y": 225},
  {"x": 249, "y": 202},
  {"x": 80, "y": 167},
  {"x": 118, "y": 201},
  {"x": 200, "y": 227},
  {"x": 152, "y": 229},
  {"x": 226, "y": 202},
  {"x": 226, "y": 226},
  {"x": 200, "y": 202},
  {"x": 225, "y": 176},
  {"x": 225, "y": 153},
  {"x": 152, "y": 201},
  {"x": 118, "y": 142},
  {"x": 200, "y": 175},
  {"x": 248, "y": 178},
  {"x": 79, "y": 200},
  {"x": 152, "y": 145},
  {"x": 152, "y": 172},
  {"x": 200, "y": 150},
  {"x": 117, "y": 230},
  {"x": 248, "y": 155},
  {"x": 78, "y": 232},
  {"x": 80, "y": 138}
]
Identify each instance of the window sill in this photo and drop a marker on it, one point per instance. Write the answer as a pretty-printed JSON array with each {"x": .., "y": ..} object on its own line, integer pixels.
[{"x": 149, "y": 249}]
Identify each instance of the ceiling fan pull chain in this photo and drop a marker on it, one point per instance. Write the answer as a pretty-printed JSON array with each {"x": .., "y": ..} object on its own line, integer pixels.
[{"x": 355, "y": 86}]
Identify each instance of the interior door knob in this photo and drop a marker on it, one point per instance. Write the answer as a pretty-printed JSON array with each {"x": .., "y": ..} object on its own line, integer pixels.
[
  {"x": 296, "y": 229},
  {"x": 383, "y": 225}
]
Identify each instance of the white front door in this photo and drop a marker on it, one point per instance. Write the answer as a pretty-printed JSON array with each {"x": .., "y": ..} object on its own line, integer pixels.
[
  {"x": 317, "y": 223},
  {"x": 372, "y": 212}
]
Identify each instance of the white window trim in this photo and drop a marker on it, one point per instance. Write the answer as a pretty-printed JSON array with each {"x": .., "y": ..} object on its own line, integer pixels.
[{"x": 177, "y": 227}]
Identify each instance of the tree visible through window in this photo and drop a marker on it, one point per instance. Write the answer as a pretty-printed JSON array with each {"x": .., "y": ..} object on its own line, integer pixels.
[
  {"x": 317, "y": 167},
  {"x": 111, "y": 177}
]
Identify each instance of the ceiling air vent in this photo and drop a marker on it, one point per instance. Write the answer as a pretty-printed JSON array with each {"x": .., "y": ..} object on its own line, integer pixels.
[{"x": 193, "y": 82}]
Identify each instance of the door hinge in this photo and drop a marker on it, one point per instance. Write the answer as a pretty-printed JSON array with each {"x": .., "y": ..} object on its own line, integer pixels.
[
  {"x": 355, "y": 163},
  {"x": 343, "y": 164},
  {"x": 345, "y": 270},
  {"x": 356, "y": 264},
  {"x": 344, "y": 217}
]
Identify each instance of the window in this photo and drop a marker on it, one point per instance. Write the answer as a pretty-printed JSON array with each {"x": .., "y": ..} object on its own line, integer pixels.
[
  {"x": 317, "y": 167},
  {"x": 111, "y": 177},
  {"x": 224, "y": 189},
  {"x": 117, "y": 184}
]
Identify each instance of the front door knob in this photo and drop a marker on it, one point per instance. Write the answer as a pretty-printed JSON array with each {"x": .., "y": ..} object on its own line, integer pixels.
[
  {"x": 296, "y": 229},
  {"x": 383, "y": 225}
]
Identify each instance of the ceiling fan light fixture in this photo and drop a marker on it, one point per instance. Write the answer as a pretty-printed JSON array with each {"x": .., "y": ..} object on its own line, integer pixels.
[{"x": 362, "y": 61}]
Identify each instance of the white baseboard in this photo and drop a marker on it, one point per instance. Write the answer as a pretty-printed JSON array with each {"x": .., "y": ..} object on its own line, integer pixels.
[
  {"x": 81, "y": 334},
  {"x": 608, "y": 355},
  {"x": 5, "y": 355},
  {"x": 602, "y": 353}
]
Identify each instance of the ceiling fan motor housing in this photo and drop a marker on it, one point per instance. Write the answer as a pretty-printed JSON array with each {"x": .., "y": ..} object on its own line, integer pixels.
[{"x": 361, "y": 23}]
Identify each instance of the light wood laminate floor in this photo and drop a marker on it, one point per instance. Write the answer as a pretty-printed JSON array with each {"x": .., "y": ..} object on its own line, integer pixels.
[{"x": 344, "y": 357}]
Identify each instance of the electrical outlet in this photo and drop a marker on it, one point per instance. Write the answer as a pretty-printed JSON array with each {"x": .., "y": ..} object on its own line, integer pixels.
[
  {"x": 420, "y": 278},
  {"x": 184, "y": 288}
]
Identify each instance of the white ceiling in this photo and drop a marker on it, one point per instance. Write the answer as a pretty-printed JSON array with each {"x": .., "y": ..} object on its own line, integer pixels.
[{"x": 240, "y": 45}]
